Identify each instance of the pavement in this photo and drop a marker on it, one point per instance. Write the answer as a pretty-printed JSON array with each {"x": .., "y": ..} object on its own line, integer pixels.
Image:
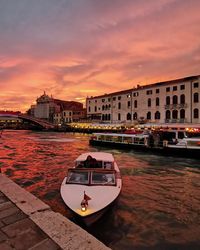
[
  {"x": 27, "y": 223},
  {"x": 18, "y": 231}
]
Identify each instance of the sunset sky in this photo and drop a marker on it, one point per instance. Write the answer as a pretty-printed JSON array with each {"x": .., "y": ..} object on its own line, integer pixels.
[{"x": 77, "y": 48}]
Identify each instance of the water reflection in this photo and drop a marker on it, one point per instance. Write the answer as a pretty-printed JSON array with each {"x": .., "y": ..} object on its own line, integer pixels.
[{"x": 159, "y": 207}]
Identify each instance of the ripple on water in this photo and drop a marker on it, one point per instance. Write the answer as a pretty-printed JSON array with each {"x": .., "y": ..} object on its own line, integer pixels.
[{"x": 159, "y": 204}]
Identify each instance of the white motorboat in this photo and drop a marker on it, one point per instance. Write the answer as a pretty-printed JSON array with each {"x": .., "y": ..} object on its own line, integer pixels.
[{"x": 92, "y": 185}]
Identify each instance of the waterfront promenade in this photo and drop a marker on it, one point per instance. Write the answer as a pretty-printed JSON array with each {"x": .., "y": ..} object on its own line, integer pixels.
[{"x": 28, "y": 223}]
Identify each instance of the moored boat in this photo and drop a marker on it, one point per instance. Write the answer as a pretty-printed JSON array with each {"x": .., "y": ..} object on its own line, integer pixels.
[
  {"x": 92, "y": 185},
  {"x": 170, "y": 142}
]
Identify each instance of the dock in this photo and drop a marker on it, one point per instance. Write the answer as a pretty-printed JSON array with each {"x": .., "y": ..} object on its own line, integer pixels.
[{"x": 28, "y": 223}]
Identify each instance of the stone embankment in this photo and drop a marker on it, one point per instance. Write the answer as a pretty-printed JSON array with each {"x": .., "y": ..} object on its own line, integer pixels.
[{"x": 28, "y": 223}]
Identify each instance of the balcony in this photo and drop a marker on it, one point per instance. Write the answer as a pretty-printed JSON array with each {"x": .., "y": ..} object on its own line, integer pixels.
[
  {"x": 176, "y": 106},
  {"x": 182, "y": 120}
]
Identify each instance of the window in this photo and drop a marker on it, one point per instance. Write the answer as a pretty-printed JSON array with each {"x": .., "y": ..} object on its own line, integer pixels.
[
  {"x": 95, "y": 100},
  {"x": 114, "y": 98},
  {"x": 182, "y": 113},
  {"x": 157, "y": 91},
  {"x": 135, "y": 104},
  {"x": 175, "y": 114},
  {"x": 89, "y": 101},
  {"x": 103, "y": 117},
  {"x": 119, "y": 105},
  {"x": 168, "y": 89},
  {"x": 108, "y": 99},
  {"x": 95, "y": 109},
  {"x": 128, "y": 117},
  {"x": 89, "y": 109},
  {"x": 119, "y": 117},
  {"x": 157, "y": 101},
  {"x": 168, "y": 100},
  {"x": 103, "y": 100},
  {"x": 149, "y": 102},
  {"x": 174, "y": 88},
  {"x": 128, "y": 96},
  {"x": 70, "y": 113},
  {"x": 196, "y": 113},
  {"x": 157, "y": 115},
  {"x": 135, "y": 116},
  {"x": 128, "y": 104},
  {"x": 149, "y": 92},
  {"x": 175, "y": 99},
  {"x": 103, "y": 107},
  {"x": 182, "y": 87},
  {"x": 135, "y": 94},
  {"x": 149, "y": 115},
  {"x": 196, "y": 84},
  {"x": 168, "y": 115},
  {"x": 182, "y": 99},
  {"x": 109, "y": 117},
  {"x": 119, "y": 97},
  {"x": 64, "y": 114},
  {"x": 196, "y": 97}
]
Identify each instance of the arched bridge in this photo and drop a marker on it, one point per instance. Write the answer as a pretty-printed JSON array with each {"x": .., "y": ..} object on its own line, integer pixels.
[{"x": 42, "y": 123}]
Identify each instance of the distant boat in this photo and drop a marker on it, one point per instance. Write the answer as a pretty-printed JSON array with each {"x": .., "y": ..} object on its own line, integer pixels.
[{"x": 91, "y": 186}]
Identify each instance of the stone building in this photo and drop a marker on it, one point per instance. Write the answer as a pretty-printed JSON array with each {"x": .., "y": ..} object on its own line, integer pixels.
[
  {"x": 174, "y": 101},
  {"x": 55, "y": 110}
]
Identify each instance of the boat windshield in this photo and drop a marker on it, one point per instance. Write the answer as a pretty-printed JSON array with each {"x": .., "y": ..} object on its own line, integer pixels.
[
  {"x": 102, "y": 178},
  {"x": 91, "y": 177},
  {"x": 80, "y": 177}
]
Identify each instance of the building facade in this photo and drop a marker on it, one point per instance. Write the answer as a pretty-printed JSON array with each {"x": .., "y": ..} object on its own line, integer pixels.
[
  {"x": 57, "y": 111},
  {"x": 175, "y": 101}
]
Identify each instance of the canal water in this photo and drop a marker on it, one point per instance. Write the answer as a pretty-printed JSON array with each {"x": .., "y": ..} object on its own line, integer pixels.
[{"x": 159, "y": 206}]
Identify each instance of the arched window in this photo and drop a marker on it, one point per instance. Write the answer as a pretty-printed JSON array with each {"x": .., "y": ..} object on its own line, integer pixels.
[
  {"x": 196, "y": 113},
  {"x": 119, "y": 105},
  {"x": 196, "y": 97},
  {"x": 119, "y": 117},
  {"x": 128, "y": 104},
  {"x": 106, "y": 117},
  {"x": 106, "y": 106},
  {"x": 168, "y": 115},
  {"x": 149, "y": 115},
  {"x": 174, "y": 114},
  {"x": 157, "y": 115},
  {"x": 135, "y": 104},
  {"x": 95, "y": 109},
  {"x": 157, "y": 101},
  {"x": 128, "y": 117},
  {"x": 103, "y": 117},
  {"x": 175, "y": 99},
  {"x": 135, "y": 116},
  {"x": 182, "y": 113},
  {"x": 149, "y": 102},
  {"x": 89, "y": 109},
  {"x": 103, "y": 107},
  {"x": 182, "y": 99},
  {"x": 168, "y": 100},
  {"x": 109, "y": 117}
]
